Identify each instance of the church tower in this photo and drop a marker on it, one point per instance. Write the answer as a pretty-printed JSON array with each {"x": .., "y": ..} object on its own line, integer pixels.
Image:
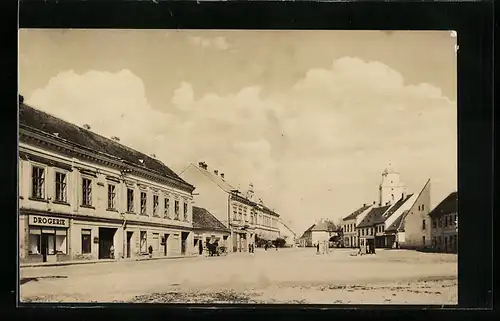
[{"x": 391, "y": 189}]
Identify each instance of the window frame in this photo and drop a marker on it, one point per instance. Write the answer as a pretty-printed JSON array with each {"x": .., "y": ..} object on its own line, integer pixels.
[
  {"x": 156, "y": 204},
  {"x": 166, "y": 207},
  {"x": 113, "y": 187},
  {"x": 64, "y": 183},
  {"x": 185, "y": 209},
  {"x": 130, "y": 200},
  {"x": 43, "y": 181},
  {"x": 144, "y": 203},
  {"x": 176, "y": 209},
  {"x": 86, "y": 189},
  {"x": 83, "y": 236}
]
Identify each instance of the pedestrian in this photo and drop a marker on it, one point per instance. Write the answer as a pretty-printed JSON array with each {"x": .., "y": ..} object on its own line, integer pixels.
[
  {"x": 150, "y": 249},
  {"x": 253, "y": 248},
  {"x": 249, "y": 248},
  {"x": 111, "y": 252},
  {"x": 265, "y": 246},
  {"x": 200, "y": 247},
  {"x": 317, "y": 248}
]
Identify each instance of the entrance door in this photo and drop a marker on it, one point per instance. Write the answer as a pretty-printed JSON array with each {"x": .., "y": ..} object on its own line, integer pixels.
[
  {"x": 129, "y": 241},
  {"x": 45, "y": 247},
  {"x": 184, "y": 237},
  {"x": 106, "y": 236}
]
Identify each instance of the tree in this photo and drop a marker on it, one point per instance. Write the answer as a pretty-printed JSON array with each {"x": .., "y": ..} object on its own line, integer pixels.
[
  {"x": 332, "y": 227},
  {"x": 279, "y": 242}
]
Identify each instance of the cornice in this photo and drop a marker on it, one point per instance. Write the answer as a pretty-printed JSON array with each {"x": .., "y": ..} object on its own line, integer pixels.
[{"x": 60, "y": 145}]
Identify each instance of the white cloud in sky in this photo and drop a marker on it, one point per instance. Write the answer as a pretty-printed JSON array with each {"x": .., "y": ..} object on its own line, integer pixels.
[{"x": 314, "y": 150}]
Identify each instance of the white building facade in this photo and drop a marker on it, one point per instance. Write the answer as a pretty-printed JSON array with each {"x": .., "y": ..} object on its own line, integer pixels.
[{"x": 86, "y": 197}]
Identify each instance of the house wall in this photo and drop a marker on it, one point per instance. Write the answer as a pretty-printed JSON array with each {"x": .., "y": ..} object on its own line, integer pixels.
[
  {"x": 287, "y": 234},
  {"x": 444, "y": 233},
  {"x": 417, "y": 228},
  {"x": 319, "y": 236},
  {"x": 97, "y": 215},
  {"x": 350, "y": 233}
]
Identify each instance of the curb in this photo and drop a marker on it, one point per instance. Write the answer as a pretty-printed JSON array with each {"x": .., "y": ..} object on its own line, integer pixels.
[{"x": 104, "y": 261}]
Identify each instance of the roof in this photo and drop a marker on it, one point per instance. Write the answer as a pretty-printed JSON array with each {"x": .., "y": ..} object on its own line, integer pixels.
[
  {"x": 447, "y": 206},
  {"x": 384, "y": 216},
  {"x": 397, "y": 223},
  {"x": 203, "y": 219},
  {"x": 355, "y": 214},
  {"x": 369, "y": 219},
  {"x": 217, "y": 179},
  {"x": 308, "y": 230},
  {"x": 321, "y": 226},
  {"x": 37, "y": 120}
]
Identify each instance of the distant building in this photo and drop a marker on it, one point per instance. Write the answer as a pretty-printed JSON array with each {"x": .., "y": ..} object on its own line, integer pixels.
[
  {"x": 245, "y": 217},
  {"x": 320, "y": 233},
  {"x": 287, "y": 234},
  {"x": 208, "y": 229},
  {"x": 306, "y": 239},
  {"x": 349, "y": 224},
  {"x": 444, "y": 218}
]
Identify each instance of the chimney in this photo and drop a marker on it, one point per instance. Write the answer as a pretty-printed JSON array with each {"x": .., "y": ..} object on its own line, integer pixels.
[
  {"x": 222, "y": 175},
  {"x": 200, "y": 164},
  {"x": 364, "y": 204},
  {"x": 373, "y": 202},
  {"x": 86, "y": 126},
  {"x": 216, "y": 172},
  {"x": 116, "y": 139}
]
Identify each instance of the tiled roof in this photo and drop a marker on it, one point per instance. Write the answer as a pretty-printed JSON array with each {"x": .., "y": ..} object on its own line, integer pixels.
[
  {"x": 308, "y": 230},
  {"x": 321, "y": 226},
  {"x": 39, "y": 121},
  {"x": 203, "y": 219},
  {"x": 217, "y": 179},
  {"x": 398, "y": 224},
  {"x": 384, "y": 216},
  {"x": 447, "y": 206},
  {"x": 368, "y": 220},
  {"x": 355, "y": 214}
]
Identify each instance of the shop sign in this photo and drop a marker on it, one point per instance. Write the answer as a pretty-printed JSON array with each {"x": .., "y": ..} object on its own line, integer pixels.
[{"x": 48, "y": 221}]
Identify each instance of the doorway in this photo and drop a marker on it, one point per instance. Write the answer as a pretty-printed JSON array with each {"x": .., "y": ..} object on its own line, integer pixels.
[
  {"x": 106, "y": 240},
  {"x": 184, "y": 236},
  {"x": 45, "y": 246},
  {"x": 165, "y": 242},
  {"x": 129, "y": 241}
]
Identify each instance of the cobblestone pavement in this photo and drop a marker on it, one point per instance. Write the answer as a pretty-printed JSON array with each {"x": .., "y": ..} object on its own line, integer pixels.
[{"x": 284, "y": 276}]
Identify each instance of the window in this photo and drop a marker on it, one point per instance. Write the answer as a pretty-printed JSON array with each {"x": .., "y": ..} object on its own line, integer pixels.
[
  {"x": 446, "y": 221},
  {"x": 455, "y": 219},
  {"x": 61, "y": 187},
  {"x": 423, "y": 207},
  {"x": 185, "y": 210},
  {"x": 419, "y": 207},
  {"x": 434, "y": 223},
  {"x": 38, "y": 182},
  {"x": 434, "y": 242},
  {"x": 440, "y": 222},
  {"x": 155, "y": 205},
  {"x": 235, "y": 213},
  {"x": 144, "y": 243},
  {"x": 130, "y": 200},
  {"x": 423, "y": 240},
  {"x": 423, "y": 225},
  {"x": 176, "y": 209},
  {"x": 166, "y": 210},
  {"x": 34, "y": 240},
  {"x": 144, "y": 200},
  {"x": 111, "y": 196},
  {"x": 383, "y": 228},
  {"x": 86, "y": 192},
  {"x": 86, "y": 241}
]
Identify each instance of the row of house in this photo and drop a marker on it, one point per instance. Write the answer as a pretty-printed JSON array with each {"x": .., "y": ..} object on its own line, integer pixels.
[
  {"x": 81, "y": 194},
  {"x": 402, "y": 220}
]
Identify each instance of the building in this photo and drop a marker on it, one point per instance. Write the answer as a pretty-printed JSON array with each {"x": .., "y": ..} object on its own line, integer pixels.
[
  {"x": 208, "y": 229},
  {"x": 349, "y": 224},
  {"x": 366, "y": 229},
  {"x": 245, "y": 216},
  {"x": 306, "y": 239},
  {"x": 287, "y": 234},
  {"x": 444, "y": 230},
  {"x": 320, "y": 233},
  {"x": 81, "y": 194}
]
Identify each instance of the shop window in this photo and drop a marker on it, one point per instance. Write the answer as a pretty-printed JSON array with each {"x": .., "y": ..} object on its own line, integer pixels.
[
  {"x": 34, "y": 246},
  {"x": 185, "y": 211},
  {"x": 86, "y": 192},
  {"x": 86, "y": 241},
  {"x": 176, "y": 209},
  {"x": 144, "y": 243},
  {"x": 155, "y": 205},
  {"x": 111, "y": 196},
  {"x": 144, "y": 199},
  {"x": 38, "y": 182},
  {"x": 156, "y": 242},
  {"x": 61, "y": 241},
  {"x": 130, "y": 200},
  {"x": 166, "y": 210},
  {"x": 61, "y": 187}
]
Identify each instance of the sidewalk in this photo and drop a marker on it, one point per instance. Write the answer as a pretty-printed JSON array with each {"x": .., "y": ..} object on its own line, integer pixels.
[{"x": 144, "y": 258}]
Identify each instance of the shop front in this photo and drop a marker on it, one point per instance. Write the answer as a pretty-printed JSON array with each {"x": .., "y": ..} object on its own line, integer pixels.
[{"x": 47, "y": 239}]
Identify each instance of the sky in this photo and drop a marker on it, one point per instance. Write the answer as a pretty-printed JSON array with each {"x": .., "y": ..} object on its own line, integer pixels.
[{"x": 311, "y": 118}]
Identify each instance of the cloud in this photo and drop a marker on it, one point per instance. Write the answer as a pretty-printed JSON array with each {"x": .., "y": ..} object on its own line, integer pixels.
[
  {"x": 316, "y": 149},
  {"x": 219, "y": 43}
]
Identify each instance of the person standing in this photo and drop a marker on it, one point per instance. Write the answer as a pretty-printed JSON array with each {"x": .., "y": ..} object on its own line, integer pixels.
[
  {"x": 317, "y": 248},
  {"x": 150, "y": 250}
]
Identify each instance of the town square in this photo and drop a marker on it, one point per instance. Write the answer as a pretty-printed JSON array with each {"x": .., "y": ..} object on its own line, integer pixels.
[{"x": 292, "y": 167}]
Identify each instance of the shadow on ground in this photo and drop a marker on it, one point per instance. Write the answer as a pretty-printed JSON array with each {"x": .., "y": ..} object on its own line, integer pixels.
[{"x": 26, "y": 280}]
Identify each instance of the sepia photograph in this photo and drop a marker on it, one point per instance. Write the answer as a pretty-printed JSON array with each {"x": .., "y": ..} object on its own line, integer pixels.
[{"x": 237, "y": 166}]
